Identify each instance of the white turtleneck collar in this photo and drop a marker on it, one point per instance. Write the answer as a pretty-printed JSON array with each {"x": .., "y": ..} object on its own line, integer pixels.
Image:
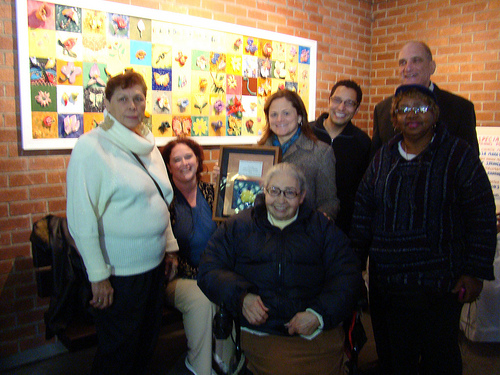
[{"x": 126, "y": 138}]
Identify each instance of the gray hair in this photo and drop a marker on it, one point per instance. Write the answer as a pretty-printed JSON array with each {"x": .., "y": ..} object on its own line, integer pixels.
[{"x": 289, "y": 169}]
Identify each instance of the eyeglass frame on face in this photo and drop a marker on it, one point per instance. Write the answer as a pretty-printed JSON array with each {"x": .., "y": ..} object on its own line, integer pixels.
[
  {"x": 348, "y": 103},
  {"x": 275, "y": 192},
  {"x": 404, "y": 110}
]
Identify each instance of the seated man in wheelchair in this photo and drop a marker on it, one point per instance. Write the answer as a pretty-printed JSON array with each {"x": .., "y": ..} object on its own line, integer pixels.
[{"x": 287, "y": 273}]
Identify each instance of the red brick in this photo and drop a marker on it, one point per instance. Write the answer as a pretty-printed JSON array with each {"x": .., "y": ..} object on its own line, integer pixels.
[
  {"x": 14, "y": 333},
  {"x": 28, "y": 290},
  {"x": 28, "y": 207},
  {"x": 23, "y": 265},
  {"x": 11, "y": 165},
  {"x": 57, "y": 207},
  {"x": 27, "y": 179},
  {"x": 474, "y": 67},
  {"x": 56, "y": 177},
  {"x": 485, "y": 56},
  {"x": 23, "y": 278},
  {"x": 30, "y": 316},
  {"x": 5, "y": 239},
  {"x": 18, "y": 250},
  {"x": 8, "y": 135},
  {"x": 6, "y": 266},
  {"x": 53, "y": 191},
  {"x": 44, "y": 163}
]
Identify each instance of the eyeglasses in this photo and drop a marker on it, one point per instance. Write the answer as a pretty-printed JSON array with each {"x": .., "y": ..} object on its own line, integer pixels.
[
  {"x": 349, "y": 104},
  {"x": 274, "y": 191},
  {"x": 404, "y": 110}
]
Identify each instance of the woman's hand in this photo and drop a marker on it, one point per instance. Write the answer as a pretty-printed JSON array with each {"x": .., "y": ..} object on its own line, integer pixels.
[
  {"x": 216, "y": 170},
  {"x": 303, "y": 323},
  {"x": 468, "y": 288},
  {"x": 102, "y": 294},
  {"x": 171, "y": 264},
  {"x": 254, "y": 310}
]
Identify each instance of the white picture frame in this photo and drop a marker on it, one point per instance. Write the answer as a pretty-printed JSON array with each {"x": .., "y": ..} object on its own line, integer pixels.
[{"x": 202, "y": 34}]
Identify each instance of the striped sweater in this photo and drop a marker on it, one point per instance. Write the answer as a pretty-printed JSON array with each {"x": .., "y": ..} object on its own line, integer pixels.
[{"x": 426, "y": 221}]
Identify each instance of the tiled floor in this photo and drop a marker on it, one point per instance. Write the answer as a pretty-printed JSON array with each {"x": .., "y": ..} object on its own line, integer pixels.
[{"x": 478, "y": 358}]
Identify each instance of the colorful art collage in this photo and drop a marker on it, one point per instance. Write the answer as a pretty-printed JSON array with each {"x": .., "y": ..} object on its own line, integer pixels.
[{"x": 201, "y": 82}]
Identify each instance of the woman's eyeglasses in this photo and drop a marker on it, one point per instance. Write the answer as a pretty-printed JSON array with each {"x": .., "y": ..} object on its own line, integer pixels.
[
  {"x": 404, "y": 110},
  {"x": 274, "y": 191}
]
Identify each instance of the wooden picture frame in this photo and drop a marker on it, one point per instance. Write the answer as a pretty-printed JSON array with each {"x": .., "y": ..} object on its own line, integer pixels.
[{"x": 241, "y": 171}]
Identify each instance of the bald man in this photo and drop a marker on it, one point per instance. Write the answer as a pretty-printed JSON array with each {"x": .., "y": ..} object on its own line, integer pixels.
[{"x": 416, "y": 66}]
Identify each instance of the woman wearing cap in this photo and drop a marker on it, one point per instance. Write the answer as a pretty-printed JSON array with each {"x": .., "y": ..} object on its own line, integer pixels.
[{"x": 425, "y": 215}]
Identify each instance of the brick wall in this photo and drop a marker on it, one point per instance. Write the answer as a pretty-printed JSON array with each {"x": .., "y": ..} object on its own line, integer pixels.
[
  {"x": 464, "y": 38},
  {"x": 355, "y": 40}
]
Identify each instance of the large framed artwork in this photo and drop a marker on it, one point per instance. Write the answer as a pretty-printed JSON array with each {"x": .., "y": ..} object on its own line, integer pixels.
[
  {"x": 206, "y": 79},
  {"x": 241, "y": 171}
]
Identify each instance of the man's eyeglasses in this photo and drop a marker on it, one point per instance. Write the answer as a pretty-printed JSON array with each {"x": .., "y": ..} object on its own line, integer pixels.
[
  {"x": 349, "y": 104},
  {"x": 274, "y": 191},
  {"x": 404, "y": 110}
]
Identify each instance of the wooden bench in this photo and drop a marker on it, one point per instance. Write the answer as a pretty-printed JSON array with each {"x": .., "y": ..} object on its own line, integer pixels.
[{"x": 77, "y": 330}]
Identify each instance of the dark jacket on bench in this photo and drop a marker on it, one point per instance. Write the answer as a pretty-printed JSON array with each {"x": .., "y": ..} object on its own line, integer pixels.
[{"x": 68, "y": 288}]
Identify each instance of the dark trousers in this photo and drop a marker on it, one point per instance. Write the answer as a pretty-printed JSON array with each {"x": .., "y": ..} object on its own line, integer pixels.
[
  {"x": 416, "y": 332},
  {"x": 128, "y": 330}
]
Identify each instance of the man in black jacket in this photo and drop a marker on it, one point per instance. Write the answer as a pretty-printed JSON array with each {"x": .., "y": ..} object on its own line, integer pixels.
[
  {"x": 350, "y": 144},
  {"x": 416, "y": 67}
]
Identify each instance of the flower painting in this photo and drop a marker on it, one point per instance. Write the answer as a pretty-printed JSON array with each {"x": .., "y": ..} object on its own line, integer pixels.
[{"x": 202, "y": 80}]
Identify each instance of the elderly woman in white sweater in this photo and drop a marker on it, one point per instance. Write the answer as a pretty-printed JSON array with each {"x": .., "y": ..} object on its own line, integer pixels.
[{"x": 117, "y": 208}]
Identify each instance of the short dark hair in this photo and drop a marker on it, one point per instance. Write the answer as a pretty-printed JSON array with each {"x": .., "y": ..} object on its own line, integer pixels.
[
  {"x": 352, "y": 85},
  {"x": 125, "y": 80},
  {"x": 297, "y": 103}
]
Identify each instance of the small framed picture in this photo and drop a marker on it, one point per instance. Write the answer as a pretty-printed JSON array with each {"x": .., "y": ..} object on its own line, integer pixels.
[{"x": 241, "y": 171}]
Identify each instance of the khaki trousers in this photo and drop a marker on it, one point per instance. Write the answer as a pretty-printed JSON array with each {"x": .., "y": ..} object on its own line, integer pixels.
[
  {"x": 197, "y": 315},
  {"x": 282, "y": 355}
]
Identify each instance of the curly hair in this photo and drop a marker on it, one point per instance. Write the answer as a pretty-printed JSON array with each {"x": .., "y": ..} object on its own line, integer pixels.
[{"x": 166, "y": 151}]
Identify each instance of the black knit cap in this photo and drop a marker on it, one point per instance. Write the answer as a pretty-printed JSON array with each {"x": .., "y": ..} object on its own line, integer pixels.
[{"x": 424, "y": 90}]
